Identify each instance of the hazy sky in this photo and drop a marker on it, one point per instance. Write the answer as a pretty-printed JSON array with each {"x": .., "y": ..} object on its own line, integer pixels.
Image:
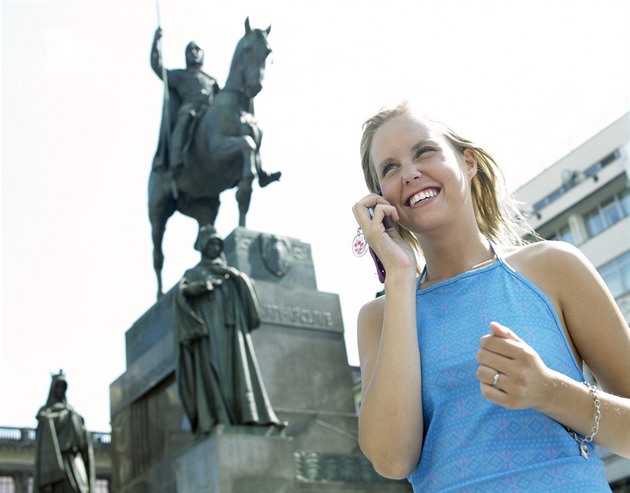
[{"x": 80, "y": 115}]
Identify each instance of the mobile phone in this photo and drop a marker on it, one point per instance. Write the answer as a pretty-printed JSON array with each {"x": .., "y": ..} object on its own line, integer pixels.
[
  {"x": 380, "y": 269},
  {"x": 387, "y": 220}
]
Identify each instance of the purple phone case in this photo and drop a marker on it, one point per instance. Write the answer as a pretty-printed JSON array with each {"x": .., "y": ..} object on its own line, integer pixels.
[{"x": 380, "y": 270}]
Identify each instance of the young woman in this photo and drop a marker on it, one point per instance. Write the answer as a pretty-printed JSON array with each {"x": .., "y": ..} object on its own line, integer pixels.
[{"x": 472, "y": 367}]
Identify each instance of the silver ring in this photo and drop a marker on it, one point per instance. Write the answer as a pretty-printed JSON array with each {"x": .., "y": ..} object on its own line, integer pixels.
[{"x": 495, "y": 379}]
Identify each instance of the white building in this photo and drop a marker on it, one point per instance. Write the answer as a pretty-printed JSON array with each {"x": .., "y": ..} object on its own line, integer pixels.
[{"x": 584, "y": 199}]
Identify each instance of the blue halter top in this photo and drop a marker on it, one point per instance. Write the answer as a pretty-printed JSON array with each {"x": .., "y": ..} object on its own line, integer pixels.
[{"x": 470, "y": 443}]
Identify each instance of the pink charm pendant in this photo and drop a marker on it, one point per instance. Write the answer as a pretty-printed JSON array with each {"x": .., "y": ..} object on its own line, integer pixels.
[{"x": 359, "y": 245}]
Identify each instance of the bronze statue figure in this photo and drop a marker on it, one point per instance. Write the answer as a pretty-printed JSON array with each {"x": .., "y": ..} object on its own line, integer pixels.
[
  {"x": 216, "y": 140},
  {"x": 190, "y": 91},
  {"x": 218, "y": 378},
  {"x": 64, "y": 461}
]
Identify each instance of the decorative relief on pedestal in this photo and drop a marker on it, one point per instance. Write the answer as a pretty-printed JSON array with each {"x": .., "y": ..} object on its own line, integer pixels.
[
  {"x": 314, "y": 467},
  {"x": 242, "y": 242},
  {"x": 297, "y": 316},
  {"x": 276, "y": 253},
  {"x": 300, "y": 251}
]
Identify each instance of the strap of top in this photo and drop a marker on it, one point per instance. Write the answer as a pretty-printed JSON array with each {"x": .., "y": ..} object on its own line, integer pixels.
[
  {"x": 422, "y": 275},
  {"x": 424, "y": 269}
]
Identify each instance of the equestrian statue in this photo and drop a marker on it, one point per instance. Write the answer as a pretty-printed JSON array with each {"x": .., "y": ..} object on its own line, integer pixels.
[{"x": 209, "y": 138}]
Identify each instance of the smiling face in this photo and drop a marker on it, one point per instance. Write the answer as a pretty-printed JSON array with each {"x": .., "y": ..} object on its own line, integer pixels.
[{"x": 419, "y": 172}]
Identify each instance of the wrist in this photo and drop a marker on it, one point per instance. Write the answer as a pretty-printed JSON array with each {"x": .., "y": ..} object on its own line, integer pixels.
[
  {"x": 552, "y": 393},
  {"x": 583, "y": 441},
  {"x": 400, "y": 278},
  {"x": 574, "y": 404}
]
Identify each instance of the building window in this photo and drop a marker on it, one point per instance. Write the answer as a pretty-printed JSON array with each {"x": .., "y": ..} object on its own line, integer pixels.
[
  {"x": 594, "y": 222},
  {"x": 7, "y": 485},
  {"x": 563, "y": 234},
  {"x": 616, "y": 274},
  {"x": 607, "y": 213},
  {"x": 611, "y": 210},
  {"x": 101, "y": 486},
  {"x": 624, "y": 199},
  {"x": 571, "y": 178}
]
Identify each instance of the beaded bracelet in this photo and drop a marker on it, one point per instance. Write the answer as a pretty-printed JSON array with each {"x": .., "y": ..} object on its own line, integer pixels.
[{"x": 583, "y": 441}]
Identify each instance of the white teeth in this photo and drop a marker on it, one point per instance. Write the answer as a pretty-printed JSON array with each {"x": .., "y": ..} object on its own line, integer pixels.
[{"x": 425, "y": 194}]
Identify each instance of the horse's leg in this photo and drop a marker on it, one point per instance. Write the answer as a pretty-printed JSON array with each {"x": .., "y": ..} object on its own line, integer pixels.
[
  {"x": 264, "y": 178},
  {"x": 157, "y": 234},
  {"x": 244, "y": 187},
  {"x": 225, "y": 148},
  {"x": 161, "y": 207}
]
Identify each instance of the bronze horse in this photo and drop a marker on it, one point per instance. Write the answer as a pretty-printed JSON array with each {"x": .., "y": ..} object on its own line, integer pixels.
[{"x": 223, "y": 152}]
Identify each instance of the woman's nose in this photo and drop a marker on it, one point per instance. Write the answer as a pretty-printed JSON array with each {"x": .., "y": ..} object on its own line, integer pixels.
[{"x": 410, "y": 174}]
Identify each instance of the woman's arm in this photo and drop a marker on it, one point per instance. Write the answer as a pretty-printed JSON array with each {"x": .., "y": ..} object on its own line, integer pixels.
[
  {"x": 390, "y": 418},
  {"x": 595, "y": 328},
  {"x": 601, "y": 336}
]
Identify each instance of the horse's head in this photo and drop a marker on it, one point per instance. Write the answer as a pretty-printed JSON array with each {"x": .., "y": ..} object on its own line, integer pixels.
[{"x": 249, "y": 59}]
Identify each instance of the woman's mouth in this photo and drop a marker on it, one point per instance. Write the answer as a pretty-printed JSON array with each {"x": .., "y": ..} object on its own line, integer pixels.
[{"x": 427, "y": 193}]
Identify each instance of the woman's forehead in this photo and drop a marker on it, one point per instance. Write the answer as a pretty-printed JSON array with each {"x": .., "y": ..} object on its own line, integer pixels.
[
  {"x": 407, "y": 122},
  {"x": 402, "y": 131}
]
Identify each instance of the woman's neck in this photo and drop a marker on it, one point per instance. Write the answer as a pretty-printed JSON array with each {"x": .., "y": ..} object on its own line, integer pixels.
[{"x": 447, "y": 257}]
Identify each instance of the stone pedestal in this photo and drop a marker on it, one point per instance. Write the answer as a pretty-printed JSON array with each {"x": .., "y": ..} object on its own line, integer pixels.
[
  {"x": 226, "y": 462},
  {"x": 302, "y": 357}
]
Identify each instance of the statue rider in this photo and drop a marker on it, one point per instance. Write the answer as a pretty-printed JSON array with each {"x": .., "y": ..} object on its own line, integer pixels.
[{"x": 190, "y": 91}]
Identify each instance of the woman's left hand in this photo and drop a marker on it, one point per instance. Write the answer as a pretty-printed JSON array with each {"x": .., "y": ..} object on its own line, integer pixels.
[{"x": 523, "y": 379}]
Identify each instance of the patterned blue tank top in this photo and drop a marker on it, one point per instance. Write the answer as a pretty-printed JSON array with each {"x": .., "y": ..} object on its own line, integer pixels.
[{"x": 470, "y": 443}]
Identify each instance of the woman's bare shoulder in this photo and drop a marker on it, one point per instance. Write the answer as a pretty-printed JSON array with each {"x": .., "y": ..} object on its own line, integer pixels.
[
  {"x": 543, "y": 257},
  {"x": 371, "y": 313}
]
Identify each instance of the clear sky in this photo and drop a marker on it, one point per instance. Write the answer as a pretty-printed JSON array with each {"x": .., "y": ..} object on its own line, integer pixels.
[{"x": 80, "y": 115}]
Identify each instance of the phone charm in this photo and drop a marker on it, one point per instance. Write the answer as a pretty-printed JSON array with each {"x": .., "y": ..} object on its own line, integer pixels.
[{"x": 359, "y": 245}]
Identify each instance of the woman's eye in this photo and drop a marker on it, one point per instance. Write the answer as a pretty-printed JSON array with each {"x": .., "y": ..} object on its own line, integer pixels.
[
  {"x": 424, "y": 150},
  {"x": 387, "y": 168}
]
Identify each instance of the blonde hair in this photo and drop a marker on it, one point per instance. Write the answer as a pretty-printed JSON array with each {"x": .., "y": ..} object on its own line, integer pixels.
[{"x": 496, "y": 210}]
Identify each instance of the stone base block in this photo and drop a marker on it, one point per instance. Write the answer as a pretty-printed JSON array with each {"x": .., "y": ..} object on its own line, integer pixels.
[
  {"x": 342, "y": 473},
  {"x": 237, "y": 463}
]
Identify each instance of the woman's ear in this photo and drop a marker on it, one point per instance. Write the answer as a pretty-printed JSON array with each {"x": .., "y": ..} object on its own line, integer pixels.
[{"x": 470, "y": 158}]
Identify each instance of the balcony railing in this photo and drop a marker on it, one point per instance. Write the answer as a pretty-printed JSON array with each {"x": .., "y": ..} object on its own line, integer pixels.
[{"x": 25, "y": 437}]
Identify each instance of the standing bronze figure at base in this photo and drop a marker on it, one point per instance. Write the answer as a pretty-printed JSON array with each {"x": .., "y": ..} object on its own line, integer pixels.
[{"x": 218, "y": 377}]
